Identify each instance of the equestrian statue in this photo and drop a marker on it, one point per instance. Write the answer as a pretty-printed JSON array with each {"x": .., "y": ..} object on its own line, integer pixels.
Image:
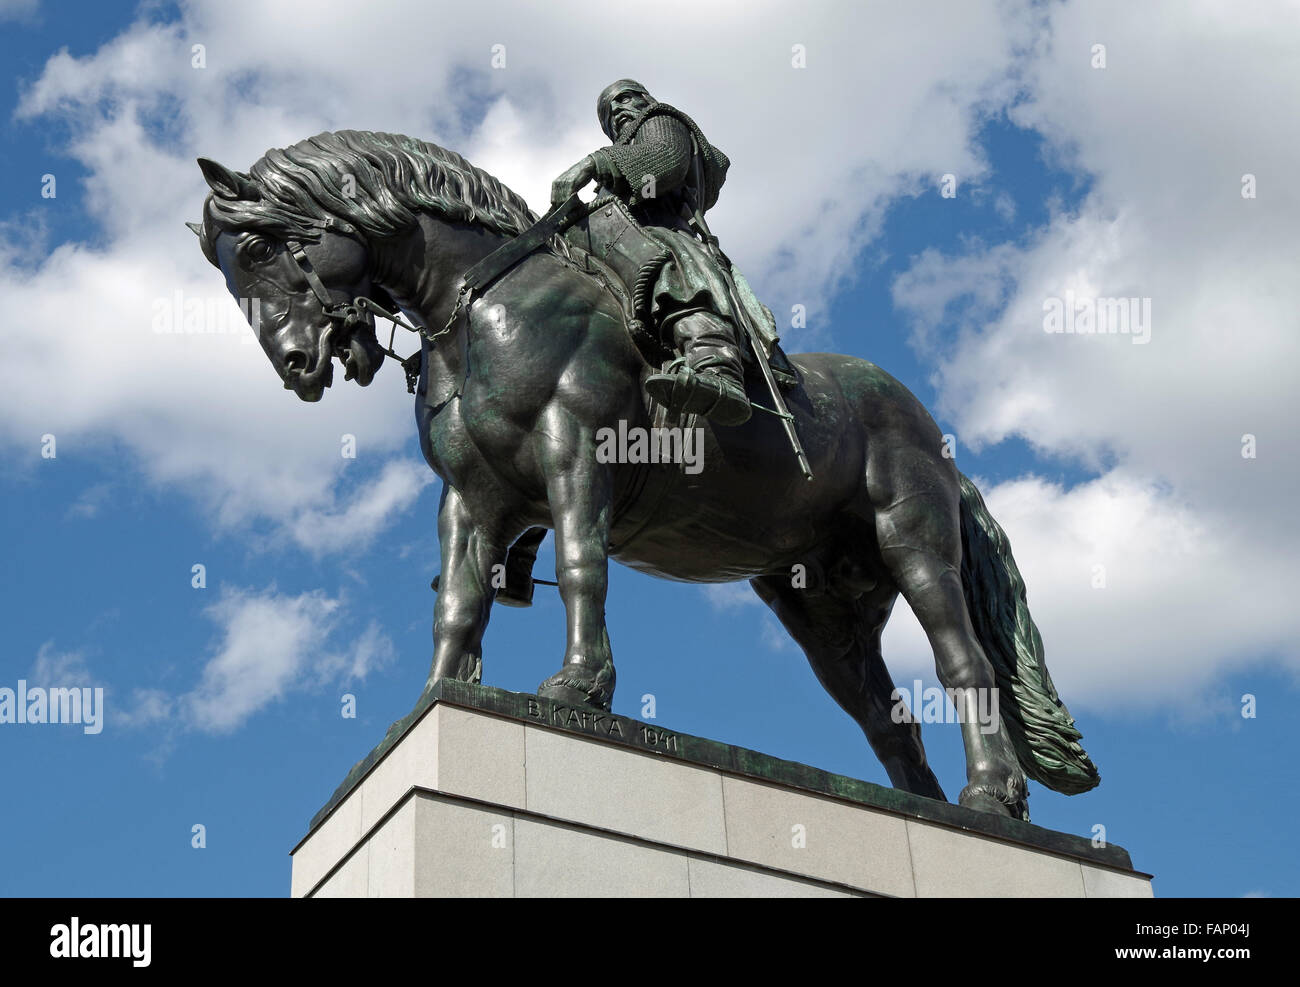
[{"x": 820, "y": 478}]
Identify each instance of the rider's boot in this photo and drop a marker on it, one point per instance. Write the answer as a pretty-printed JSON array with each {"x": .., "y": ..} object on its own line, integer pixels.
[{"x": 709, "y": 378}]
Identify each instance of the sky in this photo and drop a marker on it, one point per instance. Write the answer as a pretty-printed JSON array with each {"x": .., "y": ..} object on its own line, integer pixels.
[{"x": 927, "y": 180}]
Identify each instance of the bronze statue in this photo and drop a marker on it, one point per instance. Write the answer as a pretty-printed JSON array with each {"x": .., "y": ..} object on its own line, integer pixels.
[{"x": 527, "y": 354}]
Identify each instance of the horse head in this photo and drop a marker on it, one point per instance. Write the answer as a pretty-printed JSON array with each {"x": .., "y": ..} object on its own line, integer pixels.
[
  {"x": 302, "y": 274},
  {"x": 308, "y": 230}
]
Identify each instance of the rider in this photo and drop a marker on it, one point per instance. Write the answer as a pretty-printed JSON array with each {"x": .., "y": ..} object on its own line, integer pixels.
[{"x": 652, "y": 166}]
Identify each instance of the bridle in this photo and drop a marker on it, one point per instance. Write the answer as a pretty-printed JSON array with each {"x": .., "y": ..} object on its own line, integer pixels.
[{"x": 361, "y": 310}]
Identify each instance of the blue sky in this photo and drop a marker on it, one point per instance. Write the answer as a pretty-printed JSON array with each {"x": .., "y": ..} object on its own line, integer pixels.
[{"x": 172, "y": 453}]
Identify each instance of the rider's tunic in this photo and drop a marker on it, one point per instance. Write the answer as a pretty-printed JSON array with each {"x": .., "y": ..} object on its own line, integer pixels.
[{"x": 650, "y": 168}]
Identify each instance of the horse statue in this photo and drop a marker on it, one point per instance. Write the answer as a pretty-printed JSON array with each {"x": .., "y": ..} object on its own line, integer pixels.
[{"x": 517, "y": 386}]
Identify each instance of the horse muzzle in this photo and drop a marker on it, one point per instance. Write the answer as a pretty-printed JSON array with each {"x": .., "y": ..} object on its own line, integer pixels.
[{"x": 308, "y": 374}]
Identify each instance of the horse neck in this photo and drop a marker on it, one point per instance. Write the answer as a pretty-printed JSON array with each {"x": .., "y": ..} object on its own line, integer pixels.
[{"x": 422, "y": 271}]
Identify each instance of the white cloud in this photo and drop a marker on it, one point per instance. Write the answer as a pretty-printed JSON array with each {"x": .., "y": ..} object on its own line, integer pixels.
[
  {"x": 1169, "y": 616},
  {"x": 90, "y": 502},
  {"x": 371, "y": 507},
  {"x": 373, "y": 650},
  {"x": 146, "y": 707},
  {"x": 61, "y": 669},
  {"x": 731, "y": 596},
  {"x": 270, "y": 645},
  {"x": 244, "y": 677},
  {"x": 1198, "y": 542},
  {"x": 18, "y": 10},
  {"x": 775, "y": 637},
  {"x": 267, "y": 642}
]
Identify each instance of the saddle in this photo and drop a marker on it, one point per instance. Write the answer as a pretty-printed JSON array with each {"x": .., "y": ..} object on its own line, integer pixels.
[{"x": 609, "y": 243}]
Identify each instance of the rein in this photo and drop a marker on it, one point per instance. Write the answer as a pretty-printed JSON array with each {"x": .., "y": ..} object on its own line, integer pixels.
[{"x": 361, "y": 311}]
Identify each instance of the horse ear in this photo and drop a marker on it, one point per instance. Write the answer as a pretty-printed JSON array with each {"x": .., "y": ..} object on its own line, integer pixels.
[
  {"x": 226, "y": 183},
  {"x": 204, "y": 244}
]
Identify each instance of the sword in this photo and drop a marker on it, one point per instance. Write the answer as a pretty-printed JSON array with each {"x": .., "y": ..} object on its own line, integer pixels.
[{"x": 751, "y": 333}]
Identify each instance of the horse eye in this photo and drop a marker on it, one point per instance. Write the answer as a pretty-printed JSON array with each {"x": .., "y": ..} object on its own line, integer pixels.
[{"x": 259, "y": 250}]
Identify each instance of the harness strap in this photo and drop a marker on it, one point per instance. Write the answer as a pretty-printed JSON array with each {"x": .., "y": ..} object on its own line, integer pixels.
[
  {"x": 313, "y": 279},
  {"x": 356, "y": 311},
  {"x": 514, "y": 250}
]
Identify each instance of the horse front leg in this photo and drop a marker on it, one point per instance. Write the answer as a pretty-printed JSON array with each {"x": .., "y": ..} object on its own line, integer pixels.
[
  {"x": 465, "y": 591},
  {"x": 580, "y": 492}
]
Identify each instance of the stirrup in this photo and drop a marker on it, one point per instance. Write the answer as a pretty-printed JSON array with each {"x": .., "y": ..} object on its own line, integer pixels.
[{"x": 683, "y": 390}]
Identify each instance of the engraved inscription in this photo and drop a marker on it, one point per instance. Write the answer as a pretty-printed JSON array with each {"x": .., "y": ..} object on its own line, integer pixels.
[
  {"x": 660, "y": 739},
  {"x": 600, "y": 724}
]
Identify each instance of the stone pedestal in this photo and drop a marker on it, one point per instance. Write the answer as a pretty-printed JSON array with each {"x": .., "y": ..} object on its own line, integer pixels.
[{"x": 485, "y": 792}]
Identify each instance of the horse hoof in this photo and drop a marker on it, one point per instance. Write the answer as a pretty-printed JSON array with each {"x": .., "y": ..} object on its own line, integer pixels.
[
  {"x": 983, "y": 799},
  {"x": 566, "y": 694},
  {"x": 576, "y": 684}
]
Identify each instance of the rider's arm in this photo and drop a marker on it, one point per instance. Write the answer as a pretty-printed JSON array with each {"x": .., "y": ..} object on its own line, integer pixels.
[{"x": 661, "y": 150}]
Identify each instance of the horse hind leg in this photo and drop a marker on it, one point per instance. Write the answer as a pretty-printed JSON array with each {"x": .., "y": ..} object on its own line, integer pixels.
[
  {"x": 841, "y": 639},
  {"x": 897, "y": 742},
  {"x": 920, "y": 545}
]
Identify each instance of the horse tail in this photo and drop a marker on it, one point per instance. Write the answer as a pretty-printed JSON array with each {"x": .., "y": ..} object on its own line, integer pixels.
[{"x": 1041, "y": 728}]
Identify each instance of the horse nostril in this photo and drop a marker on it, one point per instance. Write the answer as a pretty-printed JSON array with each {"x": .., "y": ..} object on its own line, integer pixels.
[{"x": 295, "y": 362}]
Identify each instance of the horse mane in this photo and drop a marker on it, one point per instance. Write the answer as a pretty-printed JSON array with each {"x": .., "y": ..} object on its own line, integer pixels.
[{"x": 393, "y": 178}]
